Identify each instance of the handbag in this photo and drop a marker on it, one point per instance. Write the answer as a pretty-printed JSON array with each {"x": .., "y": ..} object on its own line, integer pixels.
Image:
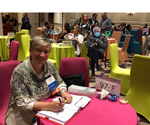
[{"x": 77, "y": 79}]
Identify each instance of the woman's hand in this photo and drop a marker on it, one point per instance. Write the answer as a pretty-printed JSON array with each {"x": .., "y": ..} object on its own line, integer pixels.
[
  {"x": 67, "y": 96},
  {"x": 85, "y": 36},
  {"x": 56, "y": 106}
]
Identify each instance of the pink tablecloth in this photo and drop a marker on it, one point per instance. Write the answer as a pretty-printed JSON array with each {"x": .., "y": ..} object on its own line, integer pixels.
[{"x": 103, "y": 112}]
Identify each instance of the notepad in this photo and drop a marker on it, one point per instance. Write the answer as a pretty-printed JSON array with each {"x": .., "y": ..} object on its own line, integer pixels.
[{"x": 68, "y": 111}]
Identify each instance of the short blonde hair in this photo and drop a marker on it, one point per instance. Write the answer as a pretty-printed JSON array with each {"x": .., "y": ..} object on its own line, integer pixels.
[
  {"x": 78, "y": 29},
  {"x": 40, "y": 41}
]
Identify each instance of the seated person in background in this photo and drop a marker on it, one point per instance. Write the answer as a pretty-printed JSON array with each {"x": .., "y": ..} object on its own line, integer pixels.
[
  {"x": 112, "y": 27},
  {"x": 123, "y": 29},
  {"x": 120, "y": 25},
  {"x": 145, "y": 29},
  {"x": 64, "y": 32},
  {"x": 46, "y": 31},
  {"x": 85, "y": 26},
  {"x": 29, "y": 85},
  {"x": 146, "y": 26},
  {"x": 75, "y": 24},
  {"x": 96, "y": 44},
  {"x": 77, "y": 39},
  {"x": 128, "y": 29},
  {"x": 93, "y": 22}
]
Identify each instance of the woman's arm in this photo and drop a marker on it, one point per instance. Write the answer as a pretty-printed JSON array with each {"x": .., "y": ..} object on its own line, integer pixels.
[
  {"x": 48, "y": 106},
  {"x": 79, "y": 40},
  {"x": 88, "y": 42},
  {"x": 62, "y": 34},
  {"x": 68, "y": 36},
  {"x": 104, "y": 44},
  {"x": 61, "y": 85}
]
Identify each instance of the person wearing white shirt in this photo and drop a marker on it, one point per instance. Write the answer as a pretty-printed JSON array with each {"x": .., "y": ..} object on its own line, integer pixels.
[{"x": 77, "y": 39}]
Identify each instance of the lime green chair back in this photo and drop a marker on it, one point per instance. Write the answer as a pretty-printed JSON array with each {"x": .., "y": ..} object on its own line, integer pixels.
[
  {"x": 25, "y": 31},
  {"x": 139, "y": 92},
  {"x": 116, "y": 72},
  {"x": 84, "y": 52},
  {"x": 18, "y": 38},
  {"x": 26, "y": 46},
  {"x": 113, "y": 56}
]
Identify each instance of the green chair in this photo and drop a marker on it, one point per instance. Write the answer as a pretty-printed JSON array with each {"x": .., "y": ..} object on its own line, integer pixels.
[
  {"x": 117, "y": 72},
  {"x": 53, "y": 61},
  {"x": 20, "y": 52},
  {"x": 139, "y": 92},
  {"x": 84, "y": 52},
  {"x": 26, "y": 47},
  {"x": 25, "y": 39},
  {"x": 25, "y": 31}
]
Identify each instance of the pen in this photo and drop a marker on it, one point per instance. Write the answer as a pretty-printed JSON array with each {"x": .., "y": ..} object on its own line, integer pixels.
[{"x": 60, "y": 100}]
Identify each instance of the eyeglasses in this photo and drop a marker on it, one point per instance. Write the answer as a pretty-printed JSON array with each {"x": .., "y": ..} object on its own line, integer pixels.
[{"x": 39, "y": 51}]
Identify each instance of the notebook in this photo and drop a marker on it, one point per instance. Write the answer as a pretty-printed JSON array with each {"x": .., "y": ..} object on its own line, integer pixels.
[{"x": 68, "y": 111}]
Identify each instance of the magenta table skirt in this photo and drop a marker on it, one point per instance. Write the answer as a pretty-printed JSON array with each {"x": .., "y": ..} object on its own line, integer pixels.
[{"x": 102, "y": 112}]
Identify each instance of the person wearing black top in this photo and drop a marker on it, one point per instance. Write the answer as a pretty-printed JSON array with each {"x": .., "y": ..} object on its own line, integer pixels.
[
  {"x": 96, "y": 44},
  {"x": 85, "y": 26},
  {"x": 65, "y": 31},
  {"x": 93, "y": 22}
]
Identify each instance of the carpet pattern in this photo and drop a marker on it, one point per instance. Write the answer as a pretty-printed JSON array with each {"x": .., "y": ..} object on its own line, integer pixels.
[{"x": 106, "y": 71}]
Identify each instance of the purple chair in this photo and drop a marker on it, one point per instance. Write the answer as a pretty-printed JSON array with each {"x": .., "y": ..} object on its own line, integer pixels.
[
  {"x": 6, "y": 70},
  {"x": 13, "y": 53},
  {"x": 73, "y": 66},
  {"x": 139, "y": 36}
]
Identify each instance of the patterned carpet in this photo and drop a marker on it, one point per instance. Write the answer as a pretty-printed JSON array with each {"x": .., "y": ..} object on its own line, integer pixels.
[{"x": 106, "y": 71}]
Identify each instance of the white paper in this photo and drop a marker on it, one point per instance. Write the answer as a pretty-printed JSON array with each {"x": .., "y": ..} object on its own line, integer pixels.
[{"x": 69, "y": 109}]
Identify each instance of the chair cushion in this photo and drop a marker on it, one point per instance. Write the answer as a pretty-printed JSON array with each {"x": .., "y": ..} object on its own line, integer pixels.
[
  {"x": 121, "y": 71},
  {"x": 136, "y": 42}
]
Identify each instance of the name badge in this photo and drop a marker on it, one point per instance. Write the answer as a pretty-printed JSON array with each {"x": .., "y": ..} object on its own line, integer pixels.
[{"x": 51, "y": 82}]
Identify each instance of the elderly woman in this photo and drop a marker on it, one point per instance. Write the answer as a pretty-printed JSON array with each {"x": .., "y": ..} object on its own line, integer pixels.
[
  {"x": 33, "y": 81},
  {"x": 77, "y": 39},
  {"x": 96, "y": 44}
]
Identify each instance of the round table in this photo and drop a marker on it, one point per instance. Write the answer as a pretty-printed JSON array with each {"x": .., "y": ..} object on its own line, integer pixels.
[
  {"x": 4, "y": 50},
  {"x": 102, "y": 112},
  {"x": 58, "y": 52}
]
